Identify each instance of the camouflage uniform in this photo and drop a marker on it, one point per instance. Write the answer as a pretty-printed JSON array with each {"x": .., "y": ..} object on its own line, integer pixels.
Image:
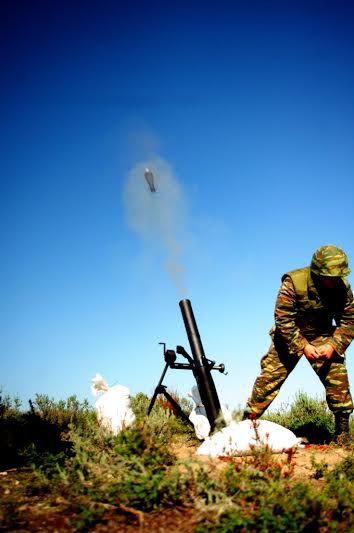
[{"x": 304, "y": 313}]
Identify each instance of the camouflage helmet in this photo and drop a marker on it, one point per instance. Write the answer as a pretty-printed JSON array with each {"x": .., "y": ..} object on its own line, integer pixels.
[{"x": 329, "y": 260}]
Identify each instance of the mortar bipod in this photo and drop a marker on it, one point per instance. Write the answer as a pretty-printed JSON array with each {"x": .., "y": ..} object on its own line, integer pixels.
[{"x": 170, "y": 361}]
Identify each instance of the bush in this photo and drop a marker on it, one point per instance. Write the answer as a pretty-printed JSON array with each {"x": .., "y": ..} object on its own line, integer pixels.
[
  {"x": 132, "y": 469},
  {"x": 162, "y": 421},
  {"x": 12, "y": 430},
  {"x": 24, "y": 436},
  {"x": 307, "y": 417},
  {"x": 138, "y": 471}
]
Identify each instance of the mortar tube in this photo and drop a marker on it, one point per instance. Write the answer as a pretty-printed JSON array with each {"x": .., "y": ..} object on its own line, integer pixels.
[{"x": 201, "y": 367}]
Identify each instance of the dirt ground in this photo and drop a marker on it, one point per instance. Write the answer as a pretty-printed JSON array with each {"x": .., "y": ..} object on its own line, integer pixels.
[{"x": 20, "y": 512}]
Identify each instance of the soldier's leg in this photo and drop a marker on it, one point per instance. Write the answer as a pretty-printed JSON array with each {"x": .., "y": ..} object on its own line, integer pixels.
[
  {"x": 333, "y": 374},
  {"x": 276, "y": 365}
]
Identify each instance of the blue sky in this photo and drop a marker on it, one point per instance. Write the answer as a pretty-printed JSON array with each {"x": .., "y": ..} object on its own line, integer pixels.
[{"x": 245, "y": 110}]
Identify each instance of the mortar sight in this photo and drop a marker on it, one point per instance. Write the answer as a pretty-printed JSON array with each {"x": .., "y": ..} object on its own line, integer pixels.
[{"x": 170, "y": 357}]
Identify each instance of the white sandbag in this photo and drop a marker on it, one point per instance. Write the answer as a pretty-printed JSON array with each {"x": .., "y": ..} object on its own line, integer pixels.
[
  {"x": 240, "y": 438},
  {"x": 113, "y": 407},
  {"x": 226, "y": 415},
  {"x": 201, "y": 424},
  {"x": 98, "y": 385},
  {"x": 198, "y": 416}
]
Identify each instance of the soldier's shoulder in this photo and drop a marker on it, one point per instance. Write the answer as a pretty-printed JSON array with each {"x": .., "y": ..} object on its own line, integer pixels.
[{"x": 297, "y": 274}]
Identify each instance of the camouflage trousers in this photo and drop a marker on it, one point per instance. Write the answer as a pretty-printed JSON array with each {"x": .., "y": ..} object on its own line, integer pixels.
[{"x": 277, "y": 364}]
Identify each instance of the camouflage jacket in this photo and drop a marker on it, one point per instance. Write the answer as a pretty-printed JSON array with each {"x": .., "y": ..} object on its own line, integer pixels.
[{"x": 303, "y": 315}]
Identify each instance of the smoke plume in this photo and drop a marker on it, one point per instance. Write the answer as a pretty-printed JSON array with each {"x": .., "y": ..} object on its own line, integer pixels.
[{"x": 157, "y": 216}]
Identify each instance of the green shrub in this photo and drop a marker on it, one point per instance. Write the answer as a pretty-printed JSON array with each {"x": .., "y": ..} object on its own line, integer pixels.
[
  {"x": 138, "y": 470},
  {"x": 307, "y": 417},
  {"x": 258, "y": 494},
  {"x": 12, "y": 432},
  {"x": 162, "y": 421},
  {"x": 61, "y": 413},
  {"x": 26, "y": 435},
  {"x": 132, "y": 469},
  {"x": 9, "y": 408},
  {"x": 271, "y": 509}
]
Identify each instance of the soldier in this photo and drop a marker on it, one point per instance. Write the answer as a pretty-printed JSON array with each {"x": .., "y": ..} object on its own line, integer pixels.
[{"x": 314, "y": 316}]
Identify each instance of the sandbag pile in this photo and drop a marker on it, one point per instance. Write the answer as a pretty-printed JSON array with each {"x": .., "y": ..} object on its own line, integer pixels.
[
  {"x": 241, "y": 438},
  {"x": 113, "y": 406}
]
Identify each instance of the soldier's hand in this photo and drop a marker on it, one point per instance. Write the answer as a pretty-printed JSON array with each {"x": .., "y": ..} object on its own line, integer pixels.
[
  {"x": 312, "y": 352},
  {"x": 326, "y": 351}
]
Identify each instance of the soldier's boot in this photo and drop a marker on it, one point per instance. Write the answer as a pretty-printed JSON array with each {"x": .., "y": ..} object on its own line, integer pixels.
[{"x": 341, "y": 432}]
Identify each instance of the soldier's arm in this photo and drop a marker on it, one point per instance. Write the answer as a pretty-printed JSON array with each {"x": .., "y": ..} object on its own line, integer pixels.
[
  {"x": 285, "y": 315},
  {"x": 344, "y": 332}
]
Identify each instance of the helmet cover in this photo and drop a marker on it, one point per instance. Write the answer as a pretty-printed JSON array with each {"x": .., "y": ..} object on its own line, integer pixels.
[{"x": 329, "y": 260}]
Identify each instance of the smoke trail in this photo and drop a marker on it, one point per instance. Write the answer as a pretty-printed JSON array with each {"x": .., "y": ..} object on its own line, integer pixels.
[{"x": 157, "y": 216}]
